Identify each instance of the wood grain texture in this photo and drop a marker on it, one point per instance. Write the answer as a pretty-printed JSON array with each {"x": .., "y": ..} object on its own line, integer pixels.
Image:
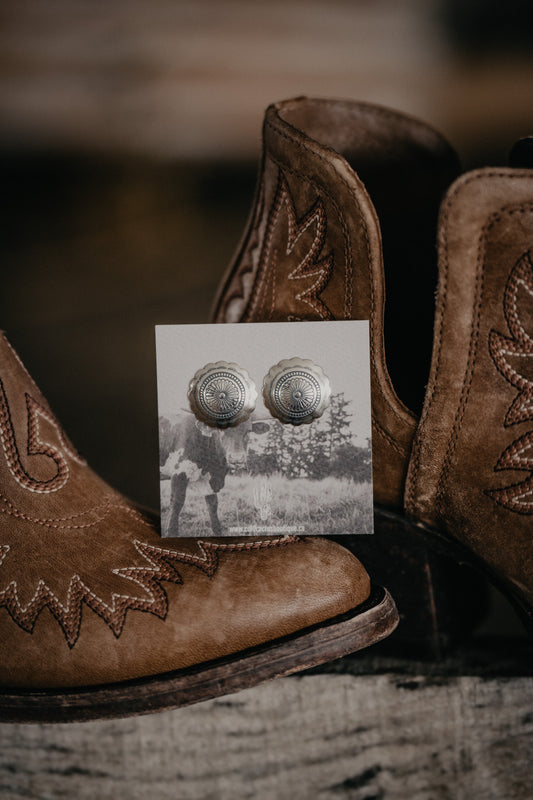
[{"x": 317, "y": 736}]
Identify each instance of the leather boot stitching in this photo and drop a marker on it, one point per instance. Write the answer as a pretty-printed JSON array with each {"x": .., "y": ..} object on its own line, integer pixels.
[
  {"x": 160, "y": 565},
  {"x": 474, "y": 341}
]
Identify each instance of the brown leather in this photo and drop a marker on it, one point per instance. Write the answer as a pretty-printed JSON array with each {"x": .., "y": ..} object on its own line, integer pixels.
[
  {"x": 90, "y": 593},
  {"x": 470, "y": 472},
  {"x": 313, "y": 247}
]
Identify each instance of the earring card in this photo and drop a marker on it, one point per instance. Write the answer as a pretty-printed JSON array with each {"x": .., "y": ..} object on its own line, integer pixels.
[{"x": 229, "y": 465}]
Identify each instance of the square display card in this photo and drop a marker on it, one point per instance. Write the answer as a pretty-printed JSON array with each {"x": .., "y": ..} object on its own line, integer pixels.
[{"x": 298, "y": 463}]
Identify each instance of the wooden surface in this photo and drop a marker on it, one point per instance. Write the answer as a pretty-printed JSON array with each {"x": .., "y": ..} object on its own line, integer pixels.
[{"x": 325, "y": 736}]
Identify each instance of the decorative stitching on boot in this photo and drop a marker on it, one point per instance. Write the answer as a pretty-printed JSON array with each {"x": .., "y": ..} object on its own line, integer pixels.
[
  {"x": 416, "y": 457},
  {"x": 35, "y": 446},
  {"x": 159, "y": 565},
  {"x": 320, "y": 190},
  {"x": 402, "y": 419},
  {"x": 349, "y": 260},
  {"x": 519, "y": 455},
  {"x": 36, "y": 412},
  {"x": 312, "y": 265},
  {"x": 47, "y": 414},
  {"x": 69, "y": 522},
  {"x": 473, "y": 345},
  {"x": 518, "y": 497},
  {"x": 519, "y": 346},
  {"x": 398, "y": 446}
]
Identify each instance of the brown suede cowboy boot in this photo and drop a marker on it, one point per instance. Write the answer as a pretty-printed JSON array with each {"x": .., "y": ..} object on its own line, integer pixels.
[
  {"x": 101, "y": 617},
  {"x": 314, "y": 249}
]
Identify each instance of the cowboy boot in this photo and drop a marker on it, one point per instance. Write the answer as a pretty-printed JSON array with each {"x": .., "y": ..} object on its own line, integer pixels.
[
  {"x": 315, "y": 248},
  {"x": 101, "y": 617},
  {"x": 469, "y": 483}
]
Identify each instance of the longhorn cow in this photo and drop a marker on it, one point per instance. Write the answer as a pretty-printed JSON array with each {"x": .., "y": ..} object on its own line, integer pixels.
[{"x": 190, "y": 450}]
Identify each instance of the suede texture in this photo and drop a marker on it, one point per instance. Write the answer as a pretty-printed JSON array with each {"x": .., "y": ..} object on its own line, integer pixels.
[
  {"x": 469, "y": 467},
  {"x": 470, "y": 473},
  {"x": 91, "y": 594},
  {"x": 313, "y": 247}
]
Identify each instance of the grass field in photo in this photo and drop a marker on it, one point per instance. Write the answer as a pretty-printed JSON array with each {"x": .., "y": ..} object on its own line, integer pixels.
[{"x": 331, "y": 505}]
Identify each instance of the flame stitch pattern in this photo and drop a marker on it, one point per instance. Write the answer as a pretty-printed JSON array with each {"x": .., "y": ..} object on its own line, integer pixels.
[
  {"x": 300, "y": 255},
  {"x": 160, "y": 564},
  {"x": 513, "y": 357}
]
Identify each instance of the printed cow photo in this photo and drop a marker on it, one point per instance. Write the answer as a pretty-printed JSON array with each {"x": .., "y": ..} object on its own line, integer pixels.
[
  {"x": 194, "y": 453},
  {"x": 260, "y": 472}
]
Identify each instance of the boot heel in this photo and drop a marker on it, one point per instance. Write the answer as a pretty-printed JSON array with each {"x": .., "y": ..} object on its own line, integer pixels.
[{"x": 440, "y": 602}]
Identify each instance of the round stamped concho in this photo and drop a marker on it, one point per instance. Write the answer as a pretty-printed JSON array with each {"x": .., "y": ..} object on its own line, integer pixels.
[
  {"x": 296, "y": 391},
  {"x": 222, "y": 394}
]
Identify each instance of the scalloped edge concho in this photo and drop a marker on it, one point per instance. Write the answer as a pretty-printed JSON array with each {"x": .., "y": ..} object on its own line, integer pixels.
[
  {"x": 296, "y": 391},
  {"x": 222, "y": 394}
]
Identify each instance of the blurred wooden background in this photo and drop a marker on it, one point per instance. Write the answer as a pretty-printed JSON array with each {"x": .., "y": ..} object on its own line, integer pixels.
[{"x": 190, "y": 78}]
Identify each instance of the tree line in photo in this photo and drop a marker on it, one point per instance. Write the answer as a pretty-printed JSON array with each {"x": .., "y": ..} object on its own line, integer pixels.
[{"x": 325, "y": 447}]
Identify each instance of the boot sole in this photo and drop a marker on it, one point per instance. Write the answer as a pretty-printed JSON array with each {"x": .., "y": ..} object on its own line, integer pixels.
[{"x": 367, "y": 624}]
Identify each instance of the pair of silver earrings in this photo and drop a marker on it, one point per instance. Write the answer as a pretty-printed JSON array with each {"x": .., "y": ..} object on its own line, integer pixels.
[{"x": 295, "y": 391}]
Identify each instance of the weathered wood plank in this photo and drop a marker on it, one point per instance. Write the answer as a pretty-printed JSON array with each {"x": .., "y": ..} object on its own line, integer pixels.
[{"x": 325, "y": 736}]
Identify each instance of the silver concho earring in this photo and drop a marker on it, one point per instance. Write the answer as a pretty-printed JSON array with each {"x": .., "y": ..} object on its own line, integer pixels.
[
  {"x": 296, "y": 391},
  {"x": 222, "y": 394}
]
